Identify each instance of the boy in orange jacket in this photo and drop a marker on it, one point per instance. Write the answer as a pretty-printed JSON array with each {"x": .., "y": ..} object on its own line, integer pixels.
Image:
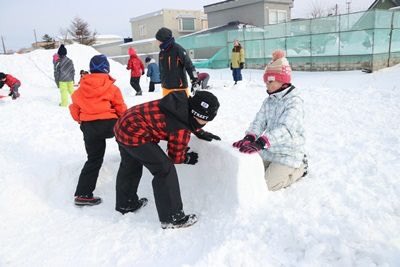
[{"x": 96, "y": 105}]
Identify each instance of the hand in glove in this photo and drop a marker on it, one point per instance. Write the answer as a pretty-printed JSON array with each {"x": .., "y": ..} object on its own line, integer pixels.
[
  {"x": 11, "y": 93},
  {"x": 206, "y": 136},
  {"x": 191, "y": 158},
  {"x": 194, "y": 82},
  {"x": 241, "y": 65},
  {"x": 260, "y": 143},
  {"x": 245, "y": 141},
  {"x": 142, "y": 72},
  {"x": 231, "y": 66}
]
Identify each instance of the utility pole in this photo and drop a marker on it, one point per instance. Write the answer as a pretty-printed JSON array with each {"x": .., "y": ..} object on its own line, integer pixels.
[
  {"x": 34, "y": 33},
  {"x": 4, "y": 47},
  {"x": 336, "y": 9},
  {"x": 348, "y": 3}
]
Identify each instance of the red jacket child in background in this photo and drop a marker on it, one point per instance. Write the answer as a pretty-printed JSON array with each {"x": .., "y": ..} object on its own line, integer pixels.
[
  {"x": 12, "y": 82},
  {"x": 137, "y": 69}
]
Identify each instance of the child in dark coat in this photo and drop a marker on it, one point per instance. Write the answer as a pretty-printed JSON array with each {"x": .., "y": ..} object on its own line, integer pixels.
[
  {"x": 12, "y": 82},
  {"x": 174, "y": 63}
]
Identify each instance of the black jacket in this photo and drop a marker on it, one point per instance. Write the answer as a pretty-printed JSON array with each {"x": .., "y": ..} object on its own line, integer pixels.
[{"x": 174, "y": 62}]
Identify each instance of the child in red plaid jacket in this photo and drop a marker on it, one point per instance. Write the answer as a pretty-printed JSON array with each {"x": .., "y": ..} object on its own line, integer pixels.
[{"x": 138, "y": 132}]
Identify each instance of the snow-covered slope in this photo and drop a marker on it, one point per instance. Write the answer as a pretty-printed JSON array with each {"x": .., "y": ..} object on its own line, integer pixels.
[{"x": 346, "y": 212}]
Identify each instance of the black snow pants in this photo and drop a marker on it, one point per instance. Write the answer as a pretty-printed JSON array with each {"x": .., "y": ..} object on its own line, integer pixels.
[
  {"x": 135, "y": 83},
  {"x": 165, "y": 182},
  {"x": 95, "y": 134}
]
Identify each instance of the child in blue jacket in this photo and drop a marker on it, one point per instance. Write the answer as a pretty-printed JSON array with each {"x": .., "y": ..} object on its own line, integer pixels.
[{"x": 153, "y": 71}]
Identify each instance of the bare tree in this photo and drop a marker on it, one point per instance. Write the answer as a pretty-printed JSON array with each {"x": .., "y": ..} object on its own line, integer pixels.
[
  {"x": 317, "y": 9},
  {"x": 80, "y": 32},
  {"x": 64, "y": 36}
]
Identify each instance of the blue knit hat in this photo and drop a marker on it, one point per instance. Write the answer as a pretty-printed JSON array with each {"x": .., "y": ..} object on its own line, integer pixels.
[{"x": 99, "y": 64}]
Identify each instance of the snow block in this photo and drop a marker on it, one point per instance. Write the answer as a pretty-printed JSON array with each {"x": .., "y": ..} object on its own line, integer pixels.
[{"x": 221, "y": 180}]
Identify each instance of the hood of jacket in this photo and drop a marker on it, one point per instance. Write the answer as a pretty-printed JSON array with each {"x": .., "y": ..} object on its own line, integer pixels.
[
  {"x": 175, "y": 106},
  {"x": 95, "y": 84}
]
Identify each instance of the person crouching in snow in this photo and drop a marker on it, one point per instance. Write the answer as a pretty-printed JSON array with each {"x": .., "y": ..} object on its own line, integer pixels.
[
  {"x": 138, "y": 132},
  {"x": 96, "y": 105},
  {"x": 12, "y": 82},
  {"x": 277, "y": 131}
]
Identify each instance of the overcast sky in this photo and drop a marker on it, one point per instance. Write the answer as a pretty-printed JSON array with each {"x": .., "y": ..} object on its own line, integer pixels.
[{"x": 19, "y": 18}]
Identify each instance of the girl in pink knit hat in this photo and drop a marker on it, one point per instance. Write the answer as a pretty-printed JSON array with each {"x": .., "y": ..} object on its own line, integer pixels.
[
  {"x": 137, "y": 69},
  {"x": 277, "y": 131}
]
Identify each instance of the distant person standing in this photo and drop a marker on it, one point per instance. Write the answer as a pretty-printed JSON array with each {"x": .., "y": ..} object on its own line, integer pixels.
[
  {"x": 153, "y": 71},
  {"x": 174, "y": 63},
  {"x": 64, "y": 75},
  {"x": 237, "y": 61},
  {"x": 137, "y": 69}
]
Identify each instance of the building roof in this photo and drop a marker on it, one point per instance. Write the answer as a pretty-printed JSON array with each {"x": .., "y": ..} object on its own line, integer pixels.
[
  {"x": 234, "y": 25},
  {"x": 158, "y": 13},
  {"x": 395, "y": 2},
  {"x": 149, "y": 40}
]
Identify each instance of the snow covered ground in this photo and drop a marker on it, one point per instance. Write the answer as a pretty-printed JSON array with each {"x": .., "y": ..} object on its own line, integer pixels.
[{"x": 346, "y": 212}]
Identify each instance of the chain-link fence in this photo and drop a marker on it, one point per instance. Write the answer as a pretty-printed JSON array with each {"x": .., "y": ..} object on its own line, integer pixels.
[{"x": 363, "y": 40}]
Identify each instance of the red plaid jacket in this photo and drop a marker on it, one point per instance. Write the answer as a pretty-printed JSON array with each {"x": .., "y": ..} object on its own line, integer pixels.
[{"x": 146, "y": 123}]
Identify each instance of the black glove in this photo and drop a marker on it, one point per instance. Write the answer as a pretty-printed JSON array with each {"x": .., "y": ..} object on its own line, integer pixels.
[
  {"x": 11, "y": 93},
  {"x": 231, "y": 66},
  {"x": 194, "y": 81},
  {"x": 142, "y": 72},
  {"x": 1, "y": 84},
  {"x": 206, "y": 136},
  {"x": 191, "y": 158},
  {"x": 241, "y": 65}
]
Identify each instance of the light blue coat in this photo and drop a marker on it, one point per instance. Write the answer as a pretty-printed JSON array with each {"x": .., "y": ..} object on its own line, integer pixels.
[
  {"x": 280, "y": 119},
  {"x": 153, "y": 71}
]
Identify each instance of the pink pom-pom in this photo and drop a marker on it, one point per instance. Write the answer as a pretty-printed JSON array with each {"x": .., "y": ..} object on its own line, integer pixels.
[{"x": 277, "y": 54}]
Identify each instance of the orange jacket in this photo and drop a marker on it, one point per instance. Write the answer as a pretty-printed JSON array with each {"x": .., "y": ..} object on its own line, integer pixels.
[{"x": 97, "y": 98}]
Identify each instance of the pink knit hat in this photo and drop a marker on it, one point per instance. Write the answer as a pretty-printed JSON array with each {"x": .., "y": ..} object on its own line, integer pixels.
[
  {"x": 278, "y": 69},
  {"x": 131, "y": 51}
]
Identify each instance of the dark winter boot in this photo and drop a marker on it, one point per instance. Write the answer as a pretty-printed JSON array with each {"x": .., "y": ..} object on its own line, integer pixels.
[
  {"x": 134, "y": 208},
  {"x": 305, "y": 162},
  {"x": 139, "y": 93},
  {"x": 180, "y": 220},
  {"x": 87, "y": 201}
]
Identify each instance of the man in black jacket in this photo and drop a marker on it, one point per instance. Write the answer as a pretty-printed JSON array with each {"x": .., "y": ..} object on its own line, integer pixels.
[{"x": 174, "y": 62}]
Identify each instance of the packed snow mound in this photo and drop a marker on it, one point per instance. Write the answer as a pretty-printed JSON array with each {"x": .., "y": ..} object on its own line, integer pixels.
[
  {"x": 36, "y": 68},
  {"x": 344, "y": 213}
]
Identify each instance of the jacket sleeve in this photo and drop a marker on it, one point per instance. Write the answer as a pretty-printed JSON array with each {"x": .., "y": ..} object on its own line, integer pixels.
[
  {"x": 260, "y": 122},
  {"x": 241, "y": 55},
  {"x": 75, "y": 110},
  {"x": 149, "y": 70},
  {"x": 141, "y": 66},
  {"x": 177, "y": 144},
  {"x": 57, "y": 72},
  {"x": 118, "y": 102},
  {"x": 289, "y": 122},
  {"x": 187, "y": 62}
]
